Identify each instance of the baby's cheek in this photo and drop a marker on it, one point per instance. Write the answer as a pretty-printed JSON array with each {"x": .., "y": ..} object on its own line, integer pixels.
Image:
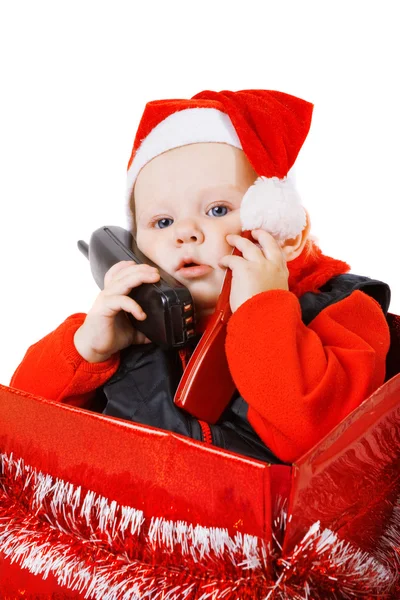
[{"x": 160, "y": 261}]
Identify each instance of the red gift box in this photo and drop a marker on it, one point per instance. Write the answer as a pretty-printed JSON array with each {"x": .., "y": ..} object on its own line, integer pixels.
[{"x": 98, "y": 507}]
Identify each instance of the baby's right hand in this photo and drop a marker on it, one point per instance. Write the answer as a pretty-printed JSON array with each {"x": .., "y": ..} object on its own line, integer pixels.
[{"x": 107, "y": 329}]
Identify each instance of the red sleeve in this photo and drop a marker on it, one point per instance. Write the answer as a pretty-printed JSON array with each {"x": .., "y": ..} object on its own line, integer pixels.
[
  {"x": 300, "y": 381},
  {"x": 54, "y": 369}
]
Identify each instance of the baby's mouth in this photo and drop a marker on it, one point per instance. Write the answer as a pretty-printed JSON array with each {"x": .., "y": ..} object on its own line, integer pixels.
[{"x": 193, "y": 270}]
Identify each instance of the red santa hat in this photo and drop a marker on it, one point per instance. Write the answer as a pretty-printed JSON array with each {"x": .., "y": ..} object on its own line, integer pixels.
[{"x": 269, "y": 126}]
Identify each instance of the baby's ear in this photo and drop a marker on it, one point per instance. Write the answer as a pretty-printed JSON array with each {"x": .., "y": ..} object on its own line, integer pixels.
[{"x": 292, "y": 248}]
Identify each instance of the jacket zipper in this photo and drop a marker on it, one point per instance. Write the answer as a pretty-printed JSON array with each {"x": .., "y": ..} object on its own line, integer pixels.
[
  {"x": 206, "y": 432},
  {"x": 184, "y": 353}
]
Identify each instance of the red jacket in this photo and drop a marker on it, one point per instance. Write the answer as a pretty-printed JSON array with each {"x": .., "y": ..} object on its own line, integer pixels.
[{"x": 298, "y": 386}]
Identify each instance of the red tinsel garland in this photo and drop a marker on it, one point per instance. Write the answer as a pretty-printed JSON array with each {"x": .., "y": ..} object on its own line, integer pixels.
[{"x": 112, "y": 552}]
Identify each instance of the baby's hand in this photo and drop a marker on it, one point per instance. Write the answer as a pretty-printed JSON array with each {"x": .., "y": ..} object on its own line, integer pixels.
[
  {"x": 107, "y": 329},
  {"x": 259, "y": 269}
]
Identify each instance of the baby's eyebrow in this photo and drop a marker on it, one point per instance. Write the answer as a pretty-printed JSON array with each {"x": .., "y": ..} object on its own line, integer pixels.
[
  {"x": 148, "y": 211},
  {"x": 219, "y": 190}
]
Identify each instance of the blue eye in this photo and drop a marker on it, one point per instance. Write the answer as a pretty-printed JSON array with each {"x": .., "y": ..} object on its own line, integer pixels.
[
  {"x": 219, "y": 207},
  {"x": 219, "y": 210},
  {"x": 160, "y": 221}
]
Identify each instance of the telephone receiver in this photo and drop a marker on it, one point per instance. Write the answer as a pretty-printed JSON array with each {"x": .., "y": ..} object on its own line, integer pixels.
[
  {"x": 206, "y": 387},
  {"x": 171, "y": 319}
]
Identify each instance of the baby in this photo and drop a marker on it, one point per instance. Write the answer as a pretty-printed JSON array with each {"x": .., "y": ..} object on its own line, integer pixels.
[{"x": 306, "y": 342}]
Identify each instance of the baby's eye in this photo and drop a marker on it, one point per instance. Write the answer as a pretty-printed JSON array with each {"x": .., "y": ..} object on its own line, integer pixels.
[
  {"x": 161, "y": 221},
  {"x": 220, "y": 210}
]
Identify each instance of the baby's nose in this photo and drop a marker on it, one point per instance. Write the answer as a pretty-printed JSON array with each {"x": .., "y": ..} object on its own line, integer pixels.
[
  {"x": 182, "y": 239},
  {"x": 188, "y": 232}
]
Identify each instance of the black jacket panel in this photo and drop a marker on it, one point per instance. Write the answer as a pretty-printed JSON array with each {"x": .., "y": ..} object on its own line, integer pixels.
[{"x": 143, "y": 388}]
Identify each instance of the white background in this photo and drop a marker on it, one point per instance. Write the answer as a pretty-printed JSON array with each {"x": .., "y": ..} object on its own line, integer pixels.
[{"x": 75, "y": 77}]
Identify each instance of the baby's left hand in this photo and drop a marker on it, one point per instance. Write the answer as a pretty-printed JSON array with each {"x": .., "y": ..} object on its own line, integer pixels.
[{"x": 258, "y": 269}]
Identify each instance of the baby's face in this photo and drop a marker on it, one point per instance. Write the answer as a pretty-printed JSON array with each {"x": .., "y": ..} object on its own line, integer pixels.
[{"x": 187, "y": 201}]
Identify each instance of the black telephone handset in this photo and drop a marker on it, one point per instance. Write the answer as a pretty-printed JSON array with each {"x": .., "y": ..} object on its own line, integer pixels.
[{"x": 167, "y": 303}]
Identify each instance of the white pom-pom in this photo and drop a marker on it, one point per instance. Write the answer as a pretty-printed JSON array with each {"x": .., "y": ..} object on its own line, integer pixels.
[{"x": 273, "y": 204}]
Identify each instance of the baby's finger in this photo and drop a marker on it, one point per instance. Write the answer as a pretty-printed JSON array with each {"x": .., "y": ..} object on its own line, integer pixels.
[
  {"x": 270, "y": 247},
  {"x": 117, "y": 303},
  {"x": 140, "y": 338},
  {"x": 130, "y": 268},
  {"x": 119, "y": 266},
  {"x": 249, "y": 249},
  {"x": 130, "y": 280},
  {"x": 140, "y": 267},
  {"x": 231, "y": 262}
]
